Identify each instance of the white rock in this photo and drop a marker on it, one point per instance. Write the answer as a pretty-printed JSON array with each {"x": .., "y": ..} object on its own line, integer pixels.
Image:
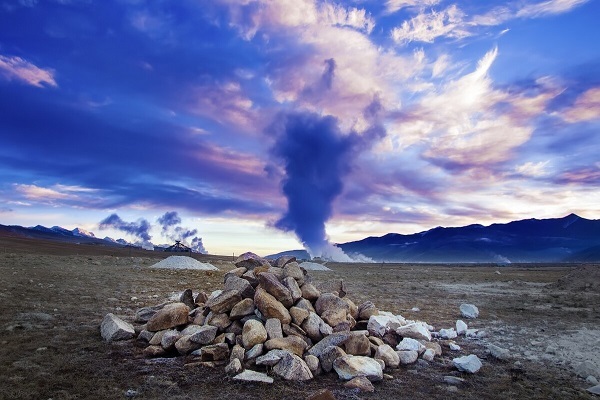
[
  {"x": 415, "y": 309},
  {"x": 454, "y": 346},
  {"x": 410, "y": 344},
  {"x": 448, "y": 333},
  {"x": 387, "y": 355},
  {"x": 469, "y": 311},
  {"x": 407, "y": 356},
  {"x": 591, "y": 380},
  {"x": 415, "y": 330},
  {"x": 253, "y": 376},
  {"x": 429, "y": 355},
  {"x": 461, "y": 327},
  {"x": 114, "y": 328},
  {"x": 586, "y": 369},
  {"x": 349, "y": 367},
  {"x": 594, "y": 389},
  {"x": 377, "y": 325},
  {"x": 470, "y": 363}
]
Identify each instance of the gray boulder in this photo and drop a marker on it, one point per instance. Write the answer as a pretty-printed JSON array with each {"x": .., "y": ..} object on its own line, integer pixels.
[
  {"x": 114, "y": 328},
  {"x": 349, "y": 367}
]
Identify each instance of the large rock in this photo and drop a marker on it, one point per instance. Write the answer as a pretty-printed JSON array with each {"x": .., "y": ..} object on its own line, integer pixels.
[
  {"x": 185, "y": 345},
  {"x": 461, "y": 327},
  {"x": 254, "y": 352},
  {"x": 253, "y": 333},
  {"x": 310, "y": 292},
  {"x": 273, "y": 327},
  {"x": 448, "y": 333},
  {"x": 284, "y": 260},
  {"x": 241, "y": 286},
  {"x": 407, "y": 356},
  {"x": 215, "y": 352},
  {"x": 305, "y": 305},
  {"x": 329, "y": 301},
  {"x": 361, "y": 383},
  {"x": 312, "y": 325},
  {"x": 298, "y": 315},
  {"x": 388, "y": 355},
  {"x": 410, "y": 344},
  {"x": 469, "y": 311},
  {"x": 250, "y": 261},
  {"x": 271, "y": 284},
  {"x": 238, "y": 352},
  {"x": 270, "y": 307},
  {"x": 144, "y": 314},
  {"x": 378, "y": 325},
  {"x": 329, "y": 355},
  {"x": 169, "y": 316},
  {"x": 291, "y": 284},
  {"x": 415, "y": 330},
  {"x": 234, "y": 367},
  {"x": 239, "y": 272},
  {"x": 187, "y": 298},
  {"x": 293, "y": 344},
  {"x": 349, "y": 367},
  {"x": 470, "y": 363},
  {"x": 114, "y": 328},
  {"x": 292, "y": 368},
  {"x": 335, "y": 339},
  {"x": 169, "y": 339},
  {"x": 366, "y": 310},
  {"x": 205, "y": 335},
  {"x": 313, "y": 364},
  {"x": 352, "y": 308},
  {"x": 271, "y": 358},
  {"x": 253, "y": 376},
  {"x": 292, "y": 270},
  {"x": 241, "y": 309},
  {"x": 225, "y": 301},
  {"x": 358, "y": 345},
  {"x": 220, "y": 320}
]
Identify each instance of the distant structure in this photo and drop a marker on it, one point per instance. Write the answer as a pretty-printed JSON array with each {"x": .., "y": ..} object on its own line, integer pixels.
[{"x": 178, "y": 248}]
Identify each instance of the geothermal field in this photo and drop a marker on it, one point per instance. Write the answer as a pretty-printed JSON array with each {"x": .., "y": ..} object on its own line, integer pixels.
[{"x": 54, "y": 297}]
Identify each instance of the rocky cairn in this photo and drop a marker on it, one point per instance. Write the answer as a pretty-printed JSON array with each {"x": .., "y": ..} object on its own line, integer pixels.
[{"x": 269, "y": 315}]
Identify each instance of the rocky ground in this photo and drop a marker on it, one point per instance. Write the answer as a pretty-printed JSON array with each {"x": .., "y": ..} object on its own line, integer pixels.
[{"x": 52, "y": 306}]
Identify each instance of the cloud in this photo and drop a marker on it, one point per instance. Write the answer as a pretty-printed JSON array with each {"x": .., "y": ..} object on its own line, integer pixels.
[
  {"x": 392, "y": 6},
  {"x": 16, "y": 68},
  {"x": 549, "y": 7},
  {"x": 139, "y": 229},
  {"x": 532, "y": 169},
  {"x": 426, "y": 27},
  {"x": 585, "y": 108}
]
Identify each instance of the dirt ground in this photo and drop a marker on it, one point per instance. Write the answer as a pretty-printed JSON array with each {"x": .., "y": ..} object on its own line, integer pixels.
[{"x": 53, "y": 298}]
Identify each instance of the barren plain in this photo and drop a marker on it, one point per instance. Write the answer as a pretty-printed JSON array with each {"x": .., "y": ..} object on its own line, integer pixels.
[{"x": 54, "y": 296}]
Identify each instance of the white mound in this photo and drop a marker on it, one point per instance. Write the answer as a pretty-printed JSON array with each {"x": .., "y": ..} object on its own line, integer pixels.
[
  {"x": 183, "y": 262},
  {"x": 311, "y": 266}
]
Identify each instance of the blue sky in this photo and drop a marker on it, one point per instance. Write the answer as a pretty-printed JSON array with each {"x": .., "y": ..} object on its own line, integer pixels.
[{"x": 270, "y": 124}]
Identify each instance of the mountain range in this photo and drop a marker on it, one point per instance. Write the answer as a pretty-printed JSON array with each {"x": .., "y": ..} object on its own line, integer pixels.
[{"x": 568, "y": 239}]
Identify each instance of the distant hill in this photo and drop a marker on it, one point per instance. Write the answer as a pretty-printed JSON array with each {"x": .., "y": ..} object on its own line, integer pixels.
[
  {"x": 568, "y": 239},
  {"x": 57, "y": 233}
]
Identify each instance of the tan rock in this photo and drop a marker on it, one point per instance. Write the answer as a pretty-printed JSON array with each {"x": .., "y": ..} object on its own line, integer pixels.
[
  {"x": 291, "y": 343},
  {"x": 352, "y": 308},
  {"x": 155, "y": 351},
  {"x": 330, "y": 302},
  {"x": 292, "y": 368},
  {"x": 215, "y": 352},
  {"x": 241, "y": 309},
  {"x": 361, "y": 383},
  {"x": 270, "y": 307},
  {"x": 305, "y": 305},
  {"x": 310, "y": 292},
  {"x": 298, "y": 315},
  {"x": 437, "y": 349},
  {"x": 220, "y": 320},
  {"x": 169, "y": 316},
  {"x": 283, "y": 260},
  {"x": 358, "y": 345},
  {"x": 271, "y": 284},
  {"x": 388, "y": 355},
  {"x": 293, "y": 270},
  {"x": 366, "y": 310},
  {"x": 323, "y": 394},
  {"x": 235, "y": 272},
  {"x": 253, "y": 333},
  {"x": 184, "y": 345},
  {"x": 292, "y": 285},
  {"x": 225, "y": 301},
  {"x": 250, "y": 261}
]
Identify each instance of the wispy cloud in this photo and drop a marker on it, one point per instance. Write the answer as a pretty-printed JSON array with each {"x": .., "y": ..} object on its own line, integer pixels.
[
  {"x": 549, "y": 7},
  {"x": 16, "y": 68},
  {"x": 392, "y": 6},
  {"x": 426, "y": 27},
  {"x": 585, "y": 108}
]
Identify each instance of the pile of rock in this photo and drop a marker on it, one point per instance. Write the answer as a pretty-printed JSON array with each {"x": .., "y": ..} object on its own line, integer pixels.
[{"x": 269, "y": 314}]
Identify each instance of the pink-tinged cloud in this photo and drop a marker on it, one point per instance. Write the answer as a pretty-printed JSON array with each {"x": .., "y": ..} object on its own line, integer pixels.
[
  {"x": 585, "y": 108},
  {"x": 16, "y": 68},
  {"x": 428, "y": 26}
]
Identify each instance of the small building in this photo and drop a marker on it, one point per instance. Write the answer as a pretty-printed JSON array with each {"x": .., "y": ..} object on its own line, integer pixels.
[{"x": 178, "y": 247}]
